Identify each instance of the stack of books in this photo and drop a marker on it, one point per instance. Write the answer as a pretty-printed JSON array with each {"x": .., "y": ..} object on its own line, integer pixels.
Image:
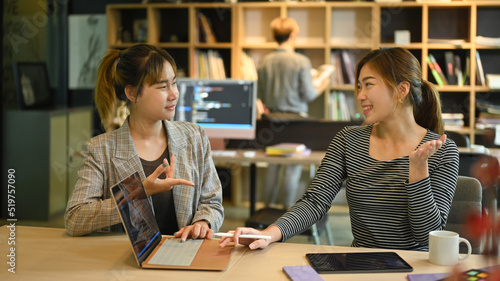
[
  {"x": 489, "y": 114},
  {"x": 287, "y": 149},
  {"x": 453, "y": 121}
]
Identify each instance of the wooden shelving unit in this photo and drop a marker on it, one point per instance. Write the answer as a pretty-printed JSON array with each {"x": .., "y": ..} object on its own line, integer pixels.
[{"x": 325, "y": 27}]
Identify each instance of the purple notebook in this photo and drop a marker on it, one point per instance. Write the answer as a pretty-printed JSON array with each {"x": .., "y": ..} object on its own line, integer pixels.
[
  {"x": 427, "y": 276},
  {"x": 302, "y": 273}
]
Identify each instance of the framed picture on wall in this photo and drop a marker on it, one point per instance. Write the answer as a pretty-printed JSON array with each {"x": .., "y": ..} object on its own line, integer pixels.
[
  {"x": 32, "y": 85},
  {"x": 87, "y": 46}
]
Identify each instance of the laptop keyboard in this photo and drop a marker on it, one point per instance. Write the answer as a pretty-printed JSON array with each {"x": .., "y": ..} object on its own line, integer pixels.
[{"x": 173, "y": 252}]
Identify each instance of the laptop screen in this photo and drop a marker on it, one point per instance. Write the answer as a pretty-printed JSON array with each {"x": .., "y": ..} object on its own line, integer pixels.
[{"x": 137, "y": 215}]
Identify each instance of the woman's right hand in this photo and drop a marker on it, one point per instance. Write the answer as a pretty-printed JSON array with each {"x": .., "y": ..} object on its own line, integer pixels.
[
  {"x": 153, "y": 184},
  {"x": 252, "y": 243}
]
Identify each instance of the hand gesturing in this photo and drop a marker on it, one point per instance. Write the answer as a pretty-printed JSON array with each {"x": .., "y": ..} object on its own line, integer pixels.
[{"x": 154, "y": 185}]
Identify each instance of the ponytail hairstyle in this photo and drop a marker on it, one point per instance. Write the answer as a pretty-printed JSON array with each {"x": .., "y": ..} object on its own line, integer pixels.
[
  {"x": 139, "y": 65},
  {"x": 396, "y": 65}
]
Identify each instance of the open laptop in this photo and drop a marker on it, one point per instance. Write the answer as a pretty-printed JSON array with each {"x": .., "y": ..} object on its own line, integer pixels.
[{"x": 150, "y": 248}]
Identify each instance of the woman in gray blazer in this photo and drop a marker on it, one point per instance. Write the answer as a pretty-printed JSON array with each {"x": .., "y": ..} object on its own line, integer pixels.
[{"x": 173, "y": 158}]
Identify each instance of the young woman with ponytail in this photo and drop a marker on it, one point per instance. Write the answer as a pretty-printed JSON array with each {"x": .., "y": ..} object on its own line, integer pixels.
[
  {"x": 400, "y": 169},
  {"x": 173, "y": 158}
]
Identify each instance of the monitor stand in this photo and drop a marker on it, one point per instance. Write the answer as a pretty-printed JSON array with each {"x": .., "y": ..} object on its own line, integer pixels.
[{"x": 217, "y": 144}]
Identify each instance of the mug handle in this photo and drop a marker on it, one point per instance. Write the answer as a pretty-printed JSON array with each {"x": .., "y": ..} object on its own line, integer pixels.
[{"x": 469, "y": 248}]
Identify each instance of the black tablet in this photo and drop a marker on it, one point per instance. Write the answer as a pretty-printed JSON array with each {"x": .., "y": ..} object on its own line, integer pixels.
[{"x": 358, "y": 262}]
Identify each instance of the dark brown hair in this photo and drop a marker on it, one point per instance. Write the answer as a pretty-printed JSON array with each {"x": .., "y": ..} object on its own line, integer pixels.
[
  {"x": 396, "y": 65},
  {"x": 138, "y": 65}
]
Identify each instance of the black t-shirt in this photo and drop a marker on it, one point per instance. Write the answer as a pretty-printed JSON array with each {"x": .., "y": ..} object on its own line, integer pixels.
[{"x": 163, "y": 203}]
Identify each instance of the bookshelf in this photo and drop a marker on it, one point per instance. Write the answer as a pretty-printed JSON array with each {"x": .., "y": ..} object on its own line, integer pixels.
[{"x": 438, "y": 28}]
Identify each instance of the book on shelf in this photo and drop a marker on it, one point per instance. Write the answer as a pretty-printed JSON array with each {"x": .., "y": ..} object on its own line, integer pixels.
[
  {"x": 247, "y": 67},
  {"x": 450, "y": 68},
  {"x": 458, "y": 70},
  {"x": 487, "y": 106},
  {"x": 488, "y": 41},
  {"x": 343, "y": 62},
  {"x": 480, "y": 78},
  {"x": 349, "y": 65},
  {"x": 339, "y": 109},
  {"x": 493, "y": 81},
  {"x": 446, "y": 41},
  {"x": 206, "y": 29},
  {"x": 453, "y": 121},
  {"x": 466, "y": 77},
  {"x": 337, "y": 75},
  {"x": 445, "y": 116},
  {"x": 438, "y": 70},
  {"x": 434, "y": 72},
  {"x": 287, "y": 149},
  {"x": 210, "y": 65},
  {"x": 490, "y": 119}
]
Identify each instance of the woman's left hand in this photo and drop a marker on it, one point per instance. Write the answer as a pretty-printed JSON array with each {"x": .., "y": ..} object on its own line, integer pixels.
[
  {"x": 154, "y": 185},
  {"x": 418, "y": 158}
]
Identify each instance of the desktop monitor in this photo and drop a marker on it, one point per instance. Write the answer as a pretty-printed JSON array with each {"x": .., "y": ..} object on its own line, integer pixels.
[{"x": 225, "y": 109}]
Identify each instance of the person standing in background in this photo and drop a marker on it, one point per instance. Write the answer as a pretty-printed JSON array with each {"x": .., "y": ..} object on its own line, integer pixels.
[{"x": 285, "y": 87}]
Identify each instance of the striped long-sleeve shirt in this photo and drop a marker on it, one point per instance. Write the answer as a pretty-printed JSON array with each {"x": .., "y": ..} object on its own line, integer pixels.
[{"x": 385, "y": 210}]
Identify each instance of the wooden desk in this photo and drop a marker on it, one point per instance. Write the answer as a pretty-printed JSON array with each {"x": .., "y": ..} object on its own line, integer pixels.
[
  {"x": 50, "y": 254},
  {"x": 260, "y": 157},
  {"x": 267, "y": 264}
]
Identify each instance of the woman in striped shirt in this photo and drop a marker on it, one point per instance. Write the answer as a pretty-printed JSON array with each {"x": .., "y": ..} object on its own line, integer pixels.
[{"x": 400, "y": 169}]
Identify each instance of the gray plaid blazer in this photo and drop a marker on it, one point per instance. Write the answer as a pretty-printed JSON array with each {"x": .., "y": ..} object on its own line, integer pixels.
[{"x": 111, "y": 157}]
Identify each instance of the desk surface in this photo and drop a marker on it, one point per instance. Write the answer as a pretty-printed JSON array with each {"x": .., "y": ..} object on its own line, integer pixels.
[
  {"x": 50, "y": 254},
  {"x": 314, "y": 157}
]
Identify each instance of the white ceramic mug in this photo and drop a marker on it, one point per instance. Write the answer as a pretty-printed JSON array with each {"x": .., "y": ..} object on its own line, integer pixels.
[
  {"x": 444, "y": 247},
  {"x": 477, "y": 148}
]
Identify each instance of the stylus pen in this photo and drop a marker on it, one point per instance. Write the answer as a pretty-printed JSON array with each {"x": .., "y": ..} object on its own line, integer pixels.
[{"x": 244, "y": 235}]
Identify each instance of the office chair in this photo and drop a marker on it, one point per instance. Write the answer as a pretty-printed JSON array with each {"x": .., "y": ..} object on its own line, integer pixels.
[
  {"x": 467, "y": 160},
  {"x": 266, "y": 216},
  {"x": 466, "y": 201},
  {"x": 461, "y": 140}
]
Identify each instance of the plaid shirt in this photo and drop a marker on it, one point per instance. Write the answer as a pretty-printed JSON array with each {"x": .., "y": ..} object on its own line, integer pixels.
[{"x": 111, "y": 157}]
